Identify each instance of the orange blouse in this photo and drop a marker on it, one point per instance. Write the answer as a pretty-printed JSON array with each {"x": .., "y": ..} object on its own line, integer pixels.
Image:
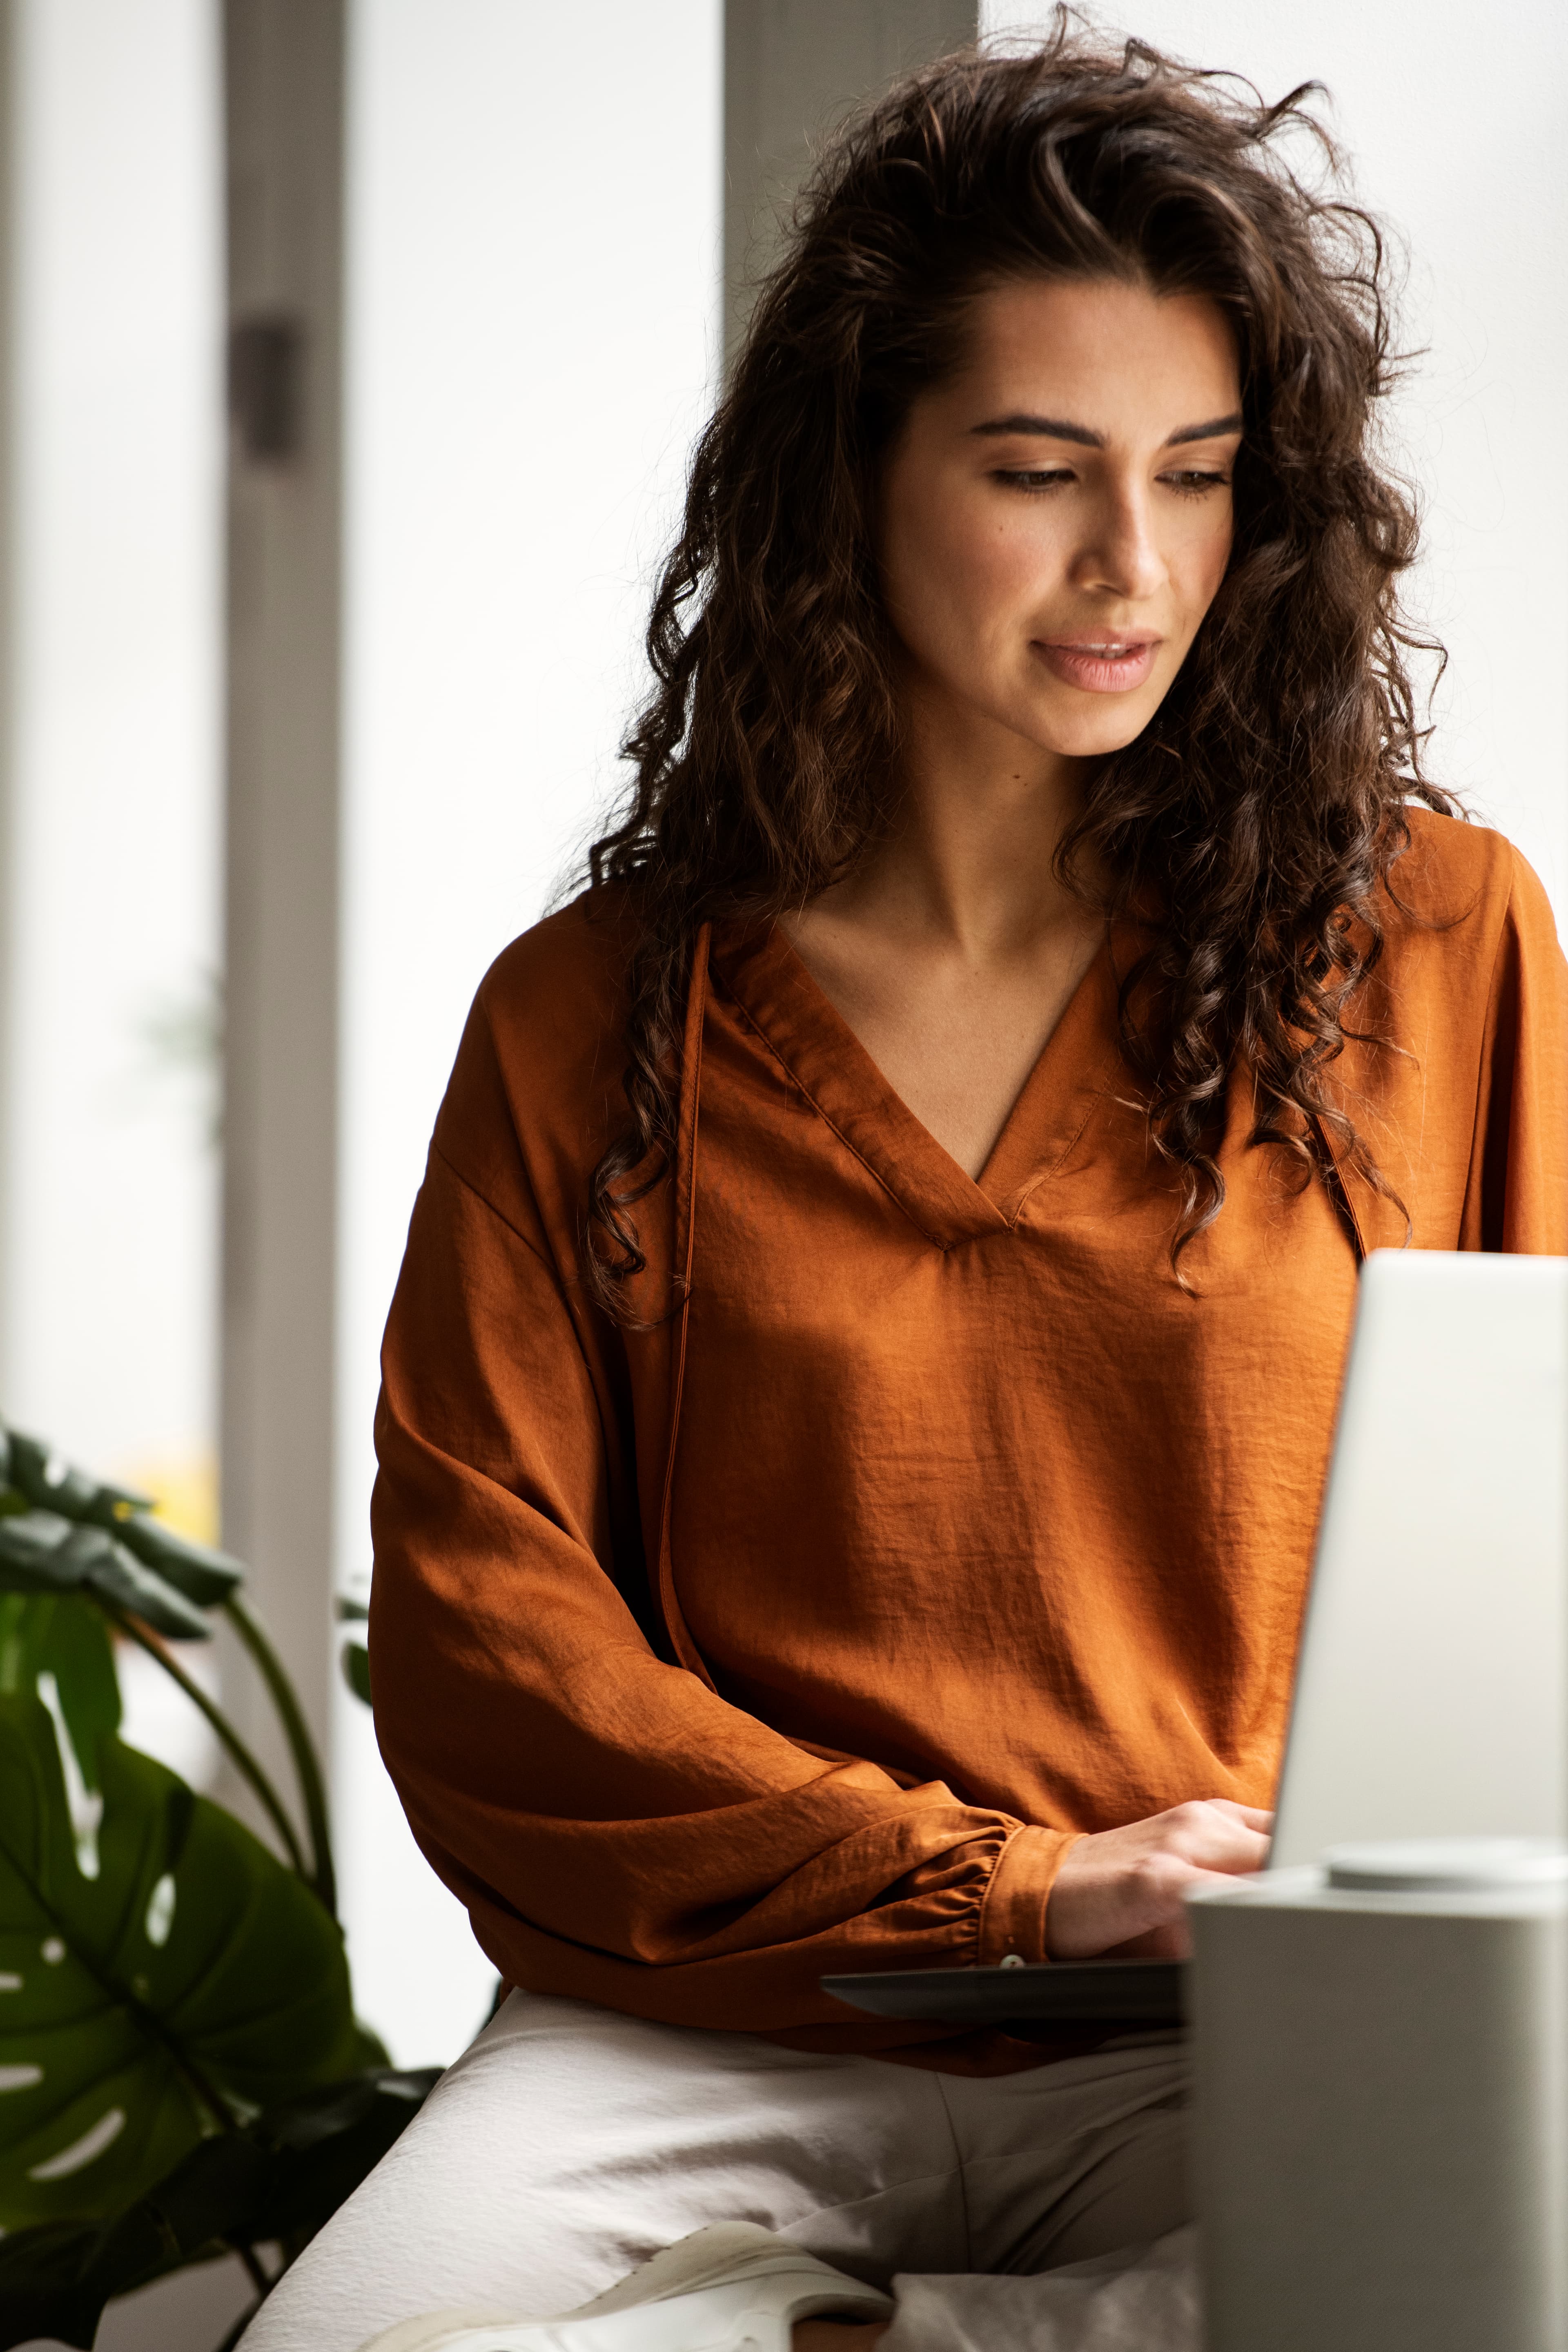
[{"x": 804, "y": 1629}]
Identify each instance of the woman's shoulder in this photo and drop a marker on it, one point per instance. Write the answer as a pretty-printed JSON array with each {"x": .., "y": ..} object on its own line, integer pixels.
[
  {"x": 535, "y": 1087},
  {"x": 1458, "y": 887},
  {"x": 1465, "y": 1116},
  {"x": 555, "y": 993}
]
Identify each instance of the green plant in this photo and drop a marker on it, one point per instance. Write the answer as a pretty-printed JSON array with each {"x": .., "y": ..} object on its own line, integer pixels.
[
  {"x": 355, "y": 1657},
  {"x": 181, "y": 2071}
]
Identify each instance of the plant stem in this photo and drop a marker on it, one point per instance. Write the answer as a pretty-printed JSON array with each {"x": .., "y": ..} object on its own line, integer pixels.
[
  {"x": 312, "y": 1790},
  {"x": 252, "y": 2261},
  {"x": 216, "y": 2104},
  {"x": 243, "y": 1760}
]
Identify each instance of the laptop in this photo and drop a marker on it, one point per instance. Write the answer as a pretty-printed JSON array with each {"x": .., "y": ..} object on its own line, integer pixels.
[{"x": 1431, "y": 1692}]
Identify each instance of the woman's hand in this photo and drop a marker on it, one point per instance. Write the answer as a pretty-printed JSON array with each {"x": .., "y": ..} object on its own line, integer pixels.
[{"x": 1122, "y": 1891}]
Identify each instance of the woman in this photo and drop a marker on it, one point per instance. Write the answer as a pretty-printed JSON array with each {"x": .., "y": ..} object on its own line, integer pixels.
[{"x": 859, "y": 1388}]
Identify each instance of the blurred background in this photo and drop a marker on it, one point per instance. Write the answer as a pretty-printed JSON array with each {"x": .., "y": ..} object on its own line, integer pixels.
[{"x": 352, "y": 356}]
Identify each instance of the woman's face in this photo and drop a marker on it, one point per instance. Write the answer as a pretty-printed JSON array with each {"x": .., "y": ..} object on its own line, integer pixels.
[{"x": 1056, "y": 517}]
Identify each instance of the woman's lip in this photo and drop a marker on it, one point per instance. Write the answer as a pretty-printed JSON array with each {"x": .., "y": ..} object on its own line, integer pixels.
[
  {"x": 1130, "y": 640},
  {"x": 1107, "y": 665}
]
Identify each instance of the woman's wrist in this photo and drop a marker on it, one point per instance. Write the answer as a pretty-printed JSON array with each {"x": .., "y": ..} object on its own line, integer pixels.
[{"x": 1013, "y": 1914}]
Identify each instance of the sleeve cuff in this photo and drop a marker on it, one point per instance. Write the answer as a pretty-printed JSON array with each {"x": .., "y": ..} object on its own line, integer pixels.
[{"x": 1012, "y": 1915}]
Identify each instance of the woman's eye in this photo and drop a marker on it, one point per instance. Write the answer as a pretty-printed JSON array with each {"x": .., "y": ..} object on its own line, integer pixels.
[
  {"x": 1045, "y": 477},
  {"x": 1193, "y": 484}
]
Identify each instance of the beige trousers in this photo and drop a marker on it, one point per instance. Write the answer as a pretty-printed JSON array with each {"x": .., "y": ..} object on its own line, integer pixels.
[{"x": 570, "y": 2143}]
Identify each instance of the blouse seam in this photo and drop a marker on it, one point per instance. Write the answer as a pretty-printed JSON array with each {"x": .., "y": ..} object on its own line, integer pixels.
[
  {"x": 1043, "y": 1175},
  {"x": 501, "y": 1218},
  {"x": 833, "y": 1126}
]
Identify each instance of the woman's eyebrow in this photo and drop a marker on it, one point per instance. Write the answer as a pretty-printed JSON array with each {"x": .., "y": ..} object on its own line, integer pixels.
[
  {"x": 1048, "y": 429},
  {"x": 1058, "y": 428},
  {"x": 1209, "y": 432}
]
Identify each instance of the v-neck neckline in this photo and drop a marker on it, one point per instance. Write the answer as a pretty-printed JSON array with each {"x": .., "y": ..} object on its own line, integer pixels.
[{"x": 774, "y": 989}]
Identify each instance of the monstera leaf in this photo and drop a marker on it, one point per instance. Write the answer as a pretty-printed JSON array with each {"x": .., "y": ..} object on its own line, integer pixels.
[
  {"x": 63, "y": 1636},
  {"x": 42, "y": 1552},
  {"x": 162, "y": 1977},
  {"x": 62, "y": 1530},
  {"x": 45, "y": 1479},
  {"x": 276, "y": 2180}
]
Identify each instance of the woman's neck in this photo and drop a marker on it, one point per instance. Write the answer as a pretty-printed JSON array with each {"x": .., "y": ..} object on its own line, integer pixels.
[
  {"x": 966, "y": 864},
  {"x": 953, "y": 950}
]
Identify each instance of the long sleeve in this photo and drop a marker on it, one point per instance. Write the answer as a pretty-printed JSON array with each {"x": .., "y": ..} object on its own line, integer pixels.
[{"x": 617, "y": 1830}]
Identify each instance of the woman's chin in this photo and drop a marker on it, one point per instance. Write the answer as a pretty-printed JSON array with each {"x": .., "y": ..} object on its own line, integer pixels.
[{"x": 1113, "y": 723}]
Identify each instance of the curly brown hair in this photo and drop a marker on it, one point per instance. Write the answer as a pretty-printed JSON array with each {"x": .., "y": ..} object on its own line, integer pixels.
[{"x": 1250, "y": 829}]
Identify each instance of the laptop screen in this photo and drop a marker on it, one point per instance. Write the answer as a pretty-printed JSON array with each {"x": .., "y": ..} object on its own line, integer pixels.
[{"x": 1432, "y": 1685}]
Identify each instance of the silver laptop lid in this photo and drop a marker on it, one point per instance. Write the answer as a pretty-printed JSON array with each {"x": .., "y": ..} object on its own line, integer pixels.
[{"x": 1432, "y": 1688}]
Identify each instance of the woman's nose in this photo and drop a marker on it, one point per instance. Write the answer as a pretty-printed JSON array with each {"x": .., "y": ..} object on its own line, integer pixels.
[{"x": 1121, "y": 555}]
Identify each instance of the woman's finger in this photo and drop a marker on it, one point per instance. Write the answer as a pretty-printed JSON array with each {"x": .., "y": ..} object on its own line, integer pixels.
[
  {"x": 1206, "y": 1836},
  {"x": 1253, "y": 1815}
]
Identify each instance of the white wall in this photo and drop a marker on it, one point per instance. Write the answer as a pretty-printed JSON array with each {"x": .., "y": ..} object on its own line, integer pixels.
[
  {"x": 106, "y": 1249},
  {"x": 533, "y": 266},
  {"x": 1458, "y": 140}
]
